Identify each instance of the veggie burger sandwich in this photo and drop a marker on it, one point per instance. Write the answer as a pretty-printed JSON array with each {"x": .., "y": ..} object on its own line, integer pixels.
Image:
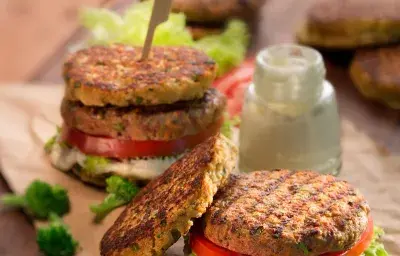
[
  {"x": 132, "y": 117},
  {"x": 264, "y": 213}
]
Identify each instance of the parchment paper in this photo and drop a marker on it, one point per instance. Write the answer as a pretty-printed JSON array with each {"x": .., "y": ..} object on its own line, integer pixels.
[{"x": 29, "y": 113}]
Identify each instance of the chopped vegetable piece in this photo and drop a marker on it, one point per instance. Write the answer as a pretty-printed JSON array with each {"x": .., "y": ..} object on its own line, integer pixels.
[
  {"x": 229, "y": 123},
  {"x": 92, "y": 163},
  {"x": 376, "y": 247},
  {"x": 50, "y": 143},
  {"x": 121, "y": 191},
  {"x": 227, "y": 49},
  {"x": 304, "y": 248},
  {"x": 55, "y": 239},
  {"x": 40, "y": 199}
]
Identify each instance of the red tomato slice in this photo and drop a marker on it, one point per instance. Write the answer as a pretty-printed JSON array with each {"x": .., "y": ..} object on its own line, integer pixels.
[
  {"x": 334, "y": 254},
  {"x": 361, "y": 245},
  {"x": 234, "y": 85},
  {"x": 201, "y": 246},
  {"x": 204, "y": 247},
  {"x": 248, "y": 73},
  {"x": 236, "y": 102},
  {"x": 243, "y": 73},
  {"x": 114, "y": 148}
]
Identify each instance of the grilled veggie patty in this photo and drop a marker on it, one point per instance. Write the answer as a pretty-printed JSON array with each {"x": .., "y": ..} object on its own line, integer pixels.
[
  {"x": 115, "y": 75},
  {"x": 162, "y": 122},
  {"x": 216, "y": 10},
  {"x": 286, "y": 213},
  {"x": 199, "y": 31},
  {"x": 164, "y": 209},
  {"x": 376, "y": 73},
  {"x": 352, "y": 23}
]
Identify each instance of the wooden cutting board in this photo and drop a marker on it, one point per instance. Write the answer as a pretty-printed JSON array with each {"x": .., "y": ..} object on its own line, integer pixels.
[{"x": 29, "y": 113}]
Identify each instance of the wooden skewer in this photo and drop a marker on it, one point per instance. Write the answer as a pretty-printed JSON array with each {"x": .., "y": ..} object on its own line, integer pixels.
[{"x": 160, "y": 13}]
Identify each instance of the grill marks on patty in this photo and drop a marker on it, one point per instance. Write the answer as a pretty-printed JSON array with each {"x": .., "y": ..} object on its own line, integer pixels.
[
  {"x": 248, "y": 184},
  {"x": 270, "y": 213},
  {"x": 338, "y": 203},
  {"x": 164, "y": 209},
  {"x": 161, "y": 122},
  {"x": 115, "y": 75}
]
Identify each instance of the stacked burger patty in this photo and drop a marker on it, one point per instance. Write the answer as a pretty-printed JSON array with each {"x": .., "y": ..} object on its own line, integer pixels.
[{"x": 131, "y": 117}]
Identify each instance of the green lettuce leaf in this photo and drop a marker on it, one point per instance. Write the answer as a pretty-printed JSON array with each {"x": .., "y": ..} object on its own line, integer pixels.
[
  {"x": 107, "y": 27},
  {"x": 376, "y": 248},
  {"x": 229, "y": 123},
  {"x": 52, "y": 140},
  {"x": 229, "y": 48},
  {"x": 93, "y": 163}
]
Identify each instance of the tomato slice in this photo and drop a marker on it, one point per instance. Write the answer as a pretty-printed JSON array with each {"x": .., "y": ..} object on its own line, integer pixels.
[
  {"x": 201, "y": 246},
  {"x": 204, "y": 247},
  {"x": 235, "y": 104},
  {"x": 361, "y": 245},
  {"x": 243, "y": 73},
  {"x": 115, "y": 148},
  {"x": 234, "y": 85},
  {"x": 334, "y": 254}
]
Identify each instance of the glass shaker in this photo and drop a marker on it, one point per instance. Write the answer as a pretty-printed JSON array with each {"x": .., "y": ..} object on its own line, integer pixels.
[{"x": 290, "y": 118}]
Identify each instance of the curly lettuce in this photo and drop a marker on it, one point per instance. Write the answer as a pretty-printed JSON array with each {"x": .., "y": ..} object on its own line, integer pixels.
[
  {"x": 376, "y": 248},
  {"x": 229, "y": 48},
  {"x": 229, "y": 123},
  {"x": 93, "y": 163},
  {"x": 106, "y": 27}
]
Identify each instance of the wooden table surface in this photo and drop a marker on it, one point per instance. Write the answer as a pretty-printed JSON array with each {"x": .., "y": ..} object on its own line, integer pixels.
[{"x": 277, "y": 23}]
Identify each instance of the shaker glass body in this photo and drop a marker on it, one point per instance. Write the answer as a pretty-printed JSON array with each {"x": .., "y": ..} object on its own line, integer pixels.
[{"x": 290, "y": 118}]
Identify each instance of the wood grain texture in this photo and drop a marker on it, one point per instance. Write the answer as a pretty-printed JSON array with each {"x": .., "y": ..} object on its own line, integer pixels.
[
  {"x": 17, "y": 236},
  {"x": 32, "y": 31},
  {"x": 50, "y": 70}
]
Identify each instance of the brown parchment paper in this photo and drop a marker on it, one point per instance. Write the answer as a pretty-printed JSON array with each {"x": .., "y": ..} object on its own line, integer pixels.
[{"x": 29, "y": 113}]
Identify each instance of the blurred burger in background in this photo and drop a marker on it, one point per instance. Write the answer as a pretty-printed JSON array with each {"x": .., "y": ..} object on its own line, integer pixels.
[
  {"x": 370, "y": 30},
  {"x": 350, "y": 24},
  {"x": 208, "y": 17}
]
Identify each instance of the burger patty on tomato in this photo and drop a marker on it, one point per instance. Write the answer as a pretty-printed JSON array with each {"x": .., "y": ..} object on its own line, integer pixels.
[
  {"x": 160, "y": 122},
  {"x": 286, "y": 213}
]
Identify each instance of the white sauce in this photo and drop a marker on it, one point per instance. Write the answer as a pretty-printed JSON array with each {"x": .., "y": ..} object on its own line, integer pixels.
[
  {"x": 65, "y": 158},
  {"x": 290, "y": 118}
]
